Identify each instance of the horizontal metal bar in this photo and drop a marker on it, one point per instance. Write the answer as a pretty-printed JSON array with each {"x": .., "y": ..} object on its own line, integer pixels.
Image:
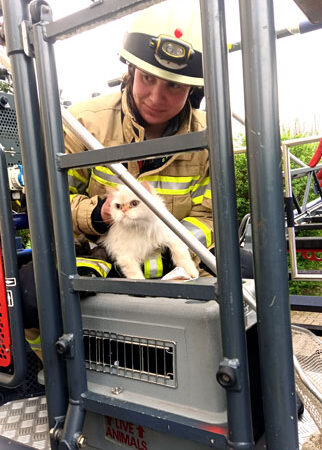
[
  {"x": 305, "y": 140},
  {"x": 302, "y": 27},
  {"x": 313, "y": 207},
  {"x": 308, "y": 243},
  {"x": 135, "y": 151},
  {"x": 201, "y": 289},
  {"x": 315, "y": 224},
  {"x": 311, "y": 276},
  {"x": 212, "y": 435},
  {"x": 96, "y": 14},
  {"x": 303, "y": 171},
  {"x": 306, "y": 303}
]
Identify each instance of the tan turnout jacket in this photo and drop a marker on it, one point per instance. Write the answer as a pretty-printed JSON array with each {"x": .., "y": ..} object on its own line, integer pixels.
[{"x": 182, "y": 181}]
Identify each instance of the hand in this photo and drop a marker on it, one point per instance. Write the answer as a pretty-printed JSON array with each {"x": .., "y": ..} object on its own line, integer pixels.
[{"x": 106, "y": 211}]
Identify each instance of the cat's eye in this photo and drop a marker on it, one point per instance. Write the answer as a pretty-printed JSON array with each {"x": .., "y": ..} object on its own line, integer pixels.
[
  {"x": 118, "y": 206},
  {"x": 134, "y": 203}
]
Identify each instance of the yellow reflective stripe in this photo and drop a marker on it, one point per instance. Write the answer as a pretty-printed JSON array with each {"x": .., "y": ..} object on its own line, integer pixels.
[
  {"x": 102, "y": 181},
  {"x": 197, "y": 200},
  {"x": 169, "y": 179},
  {"x": 101, "y": 267},
  {"x": 147, "y": 272},
  {"x": 197, "y": 223},
  {"x": 208, "y": 193},
  {"x": 159, "y": 267},
  {"x": 73, "y": 190},
  {"x": 173, "y": 191},
  {"x": 35, "y": 344},
  {"x": 99, "y": 270},
  {"x": 75, "y": 174},
  {"x": 34, "y": 341}
]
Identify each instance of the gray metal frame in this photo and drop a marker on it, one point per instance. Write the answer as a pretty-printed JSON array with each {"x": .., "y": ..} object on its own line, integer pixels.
[{"x": 268, "y": 223}]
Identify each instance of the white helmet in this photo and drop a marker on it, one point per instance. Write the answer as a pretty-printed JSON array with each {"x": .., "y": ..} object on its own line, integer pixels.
[{"x": 165, "y": 41}]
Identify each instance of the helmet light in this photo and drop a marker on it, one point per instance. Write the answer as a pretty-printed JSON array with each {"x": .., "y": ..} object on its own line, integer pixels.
[{"x": 171, "y": 52}]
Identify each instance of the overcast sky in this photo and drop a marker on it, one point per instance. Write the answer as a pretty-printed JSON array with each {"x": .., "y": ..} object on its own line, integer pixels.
[{"x": 87, "y": 61}]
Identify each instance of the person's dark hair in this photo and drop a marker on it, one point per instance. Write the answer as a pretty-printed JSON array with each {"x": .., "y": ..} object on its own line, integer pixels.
[
  {"x": 127, "y": 82},
  {"x": 196, "y": 95}
]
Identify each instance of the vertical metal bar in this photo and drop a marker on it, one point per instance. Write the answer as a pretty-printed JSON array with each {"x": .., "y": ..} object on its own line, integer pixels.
[
  {"x": 26, "y": 100},
  {"x": 268, "y": 226},
  {"x": 62, "y": 222},
  {"x": 225, "y": 216},
  {"x": 8, "y": 246}
]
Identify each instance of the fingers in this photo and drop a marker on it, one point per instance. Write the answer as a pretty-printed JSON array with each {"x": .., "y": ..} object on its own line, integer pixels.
[{"x": 106, "y": 211}]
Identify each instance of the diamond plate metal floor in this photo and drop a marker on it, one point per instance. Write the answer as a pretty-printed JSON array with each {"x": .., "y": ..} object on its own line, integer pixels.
[{"x": 25, "y": 421}]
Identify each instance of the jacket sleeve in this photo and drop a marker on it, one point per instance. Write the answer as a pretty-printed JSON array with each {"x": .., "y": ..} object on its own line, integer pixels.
[
  {"x": 200, "y": 222},
  {"x": 81, "y": 205}
]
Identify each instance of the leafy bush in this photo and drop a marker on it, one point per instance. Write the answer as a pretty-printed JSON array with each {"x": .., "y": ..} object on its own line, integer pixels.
[{"x": 5, "y": 87}]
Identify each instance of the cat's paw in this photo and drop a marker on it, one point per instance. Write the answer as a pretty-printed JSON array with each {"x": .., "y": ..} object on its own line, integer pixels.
[
  {"x": 191, "y": 270},
  {"x": 135, "y": 275}
]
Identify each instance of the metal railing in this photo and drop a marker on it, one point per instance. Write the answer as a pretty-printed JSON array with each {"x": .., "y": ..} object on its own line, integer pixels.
[{"x": 307, "y": 209}]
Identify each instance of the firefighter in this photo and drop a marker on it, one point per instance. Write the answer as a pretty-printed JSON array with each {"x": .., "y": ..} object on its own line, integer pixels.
[
  {"x": 159, "y": 93},
  {"x": 159, "y": 97}
]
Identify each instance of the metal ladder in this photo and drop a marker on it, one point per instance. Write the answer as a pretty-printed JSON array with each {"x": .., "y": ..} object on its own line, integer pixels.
[{"x": 50, "y": 220}]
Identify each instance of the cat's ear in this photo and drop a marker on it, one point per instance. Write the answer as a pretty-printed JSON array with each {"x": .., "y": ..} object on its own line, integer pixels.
[{"x": 148, "y": 187}]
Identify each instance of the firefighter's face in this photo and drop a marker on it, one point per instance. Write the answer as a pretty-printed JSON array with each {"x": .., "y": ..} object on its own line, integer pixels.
[{"x": 158, "y": 100}]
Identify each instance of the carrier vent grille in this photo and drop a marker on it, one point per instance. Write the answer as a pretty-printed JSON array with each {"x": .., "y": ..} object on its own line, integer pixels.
[{"x": 144, "y": 359}]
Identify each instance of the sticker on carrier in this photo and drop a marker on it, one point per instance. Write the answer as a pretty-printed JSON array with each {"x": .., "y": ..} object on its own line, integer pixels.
[{"x": 126, "y": 433}]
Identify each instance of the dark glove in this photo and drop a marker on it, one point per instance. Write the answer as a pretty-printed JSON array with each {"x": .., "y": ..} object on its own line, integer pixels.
[{"x": 96, "y": 217}]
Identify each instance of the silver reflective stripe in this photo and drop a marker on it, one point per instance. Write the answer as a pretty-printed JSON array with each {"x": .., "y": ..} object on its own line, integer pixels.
[
  {"x": 77, "y": 184},
  {"x": 35, "y": 346},
  {"x": 105, "y": 176},
  {"x": 153, "y": 268},
  {"x": 201, "y": 190},
  {"x": 196, "y": 231}
]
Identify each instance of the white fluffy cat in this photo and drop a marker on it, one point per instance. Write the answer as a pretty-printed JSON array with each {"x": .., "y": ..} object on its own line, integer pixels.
[{"x": 136, "y": 233}]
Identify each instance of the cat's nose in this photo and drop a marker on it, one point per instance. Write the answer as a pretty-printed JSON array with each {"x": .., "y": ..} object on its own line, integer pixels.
[{"x": 125, "y": 208}]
